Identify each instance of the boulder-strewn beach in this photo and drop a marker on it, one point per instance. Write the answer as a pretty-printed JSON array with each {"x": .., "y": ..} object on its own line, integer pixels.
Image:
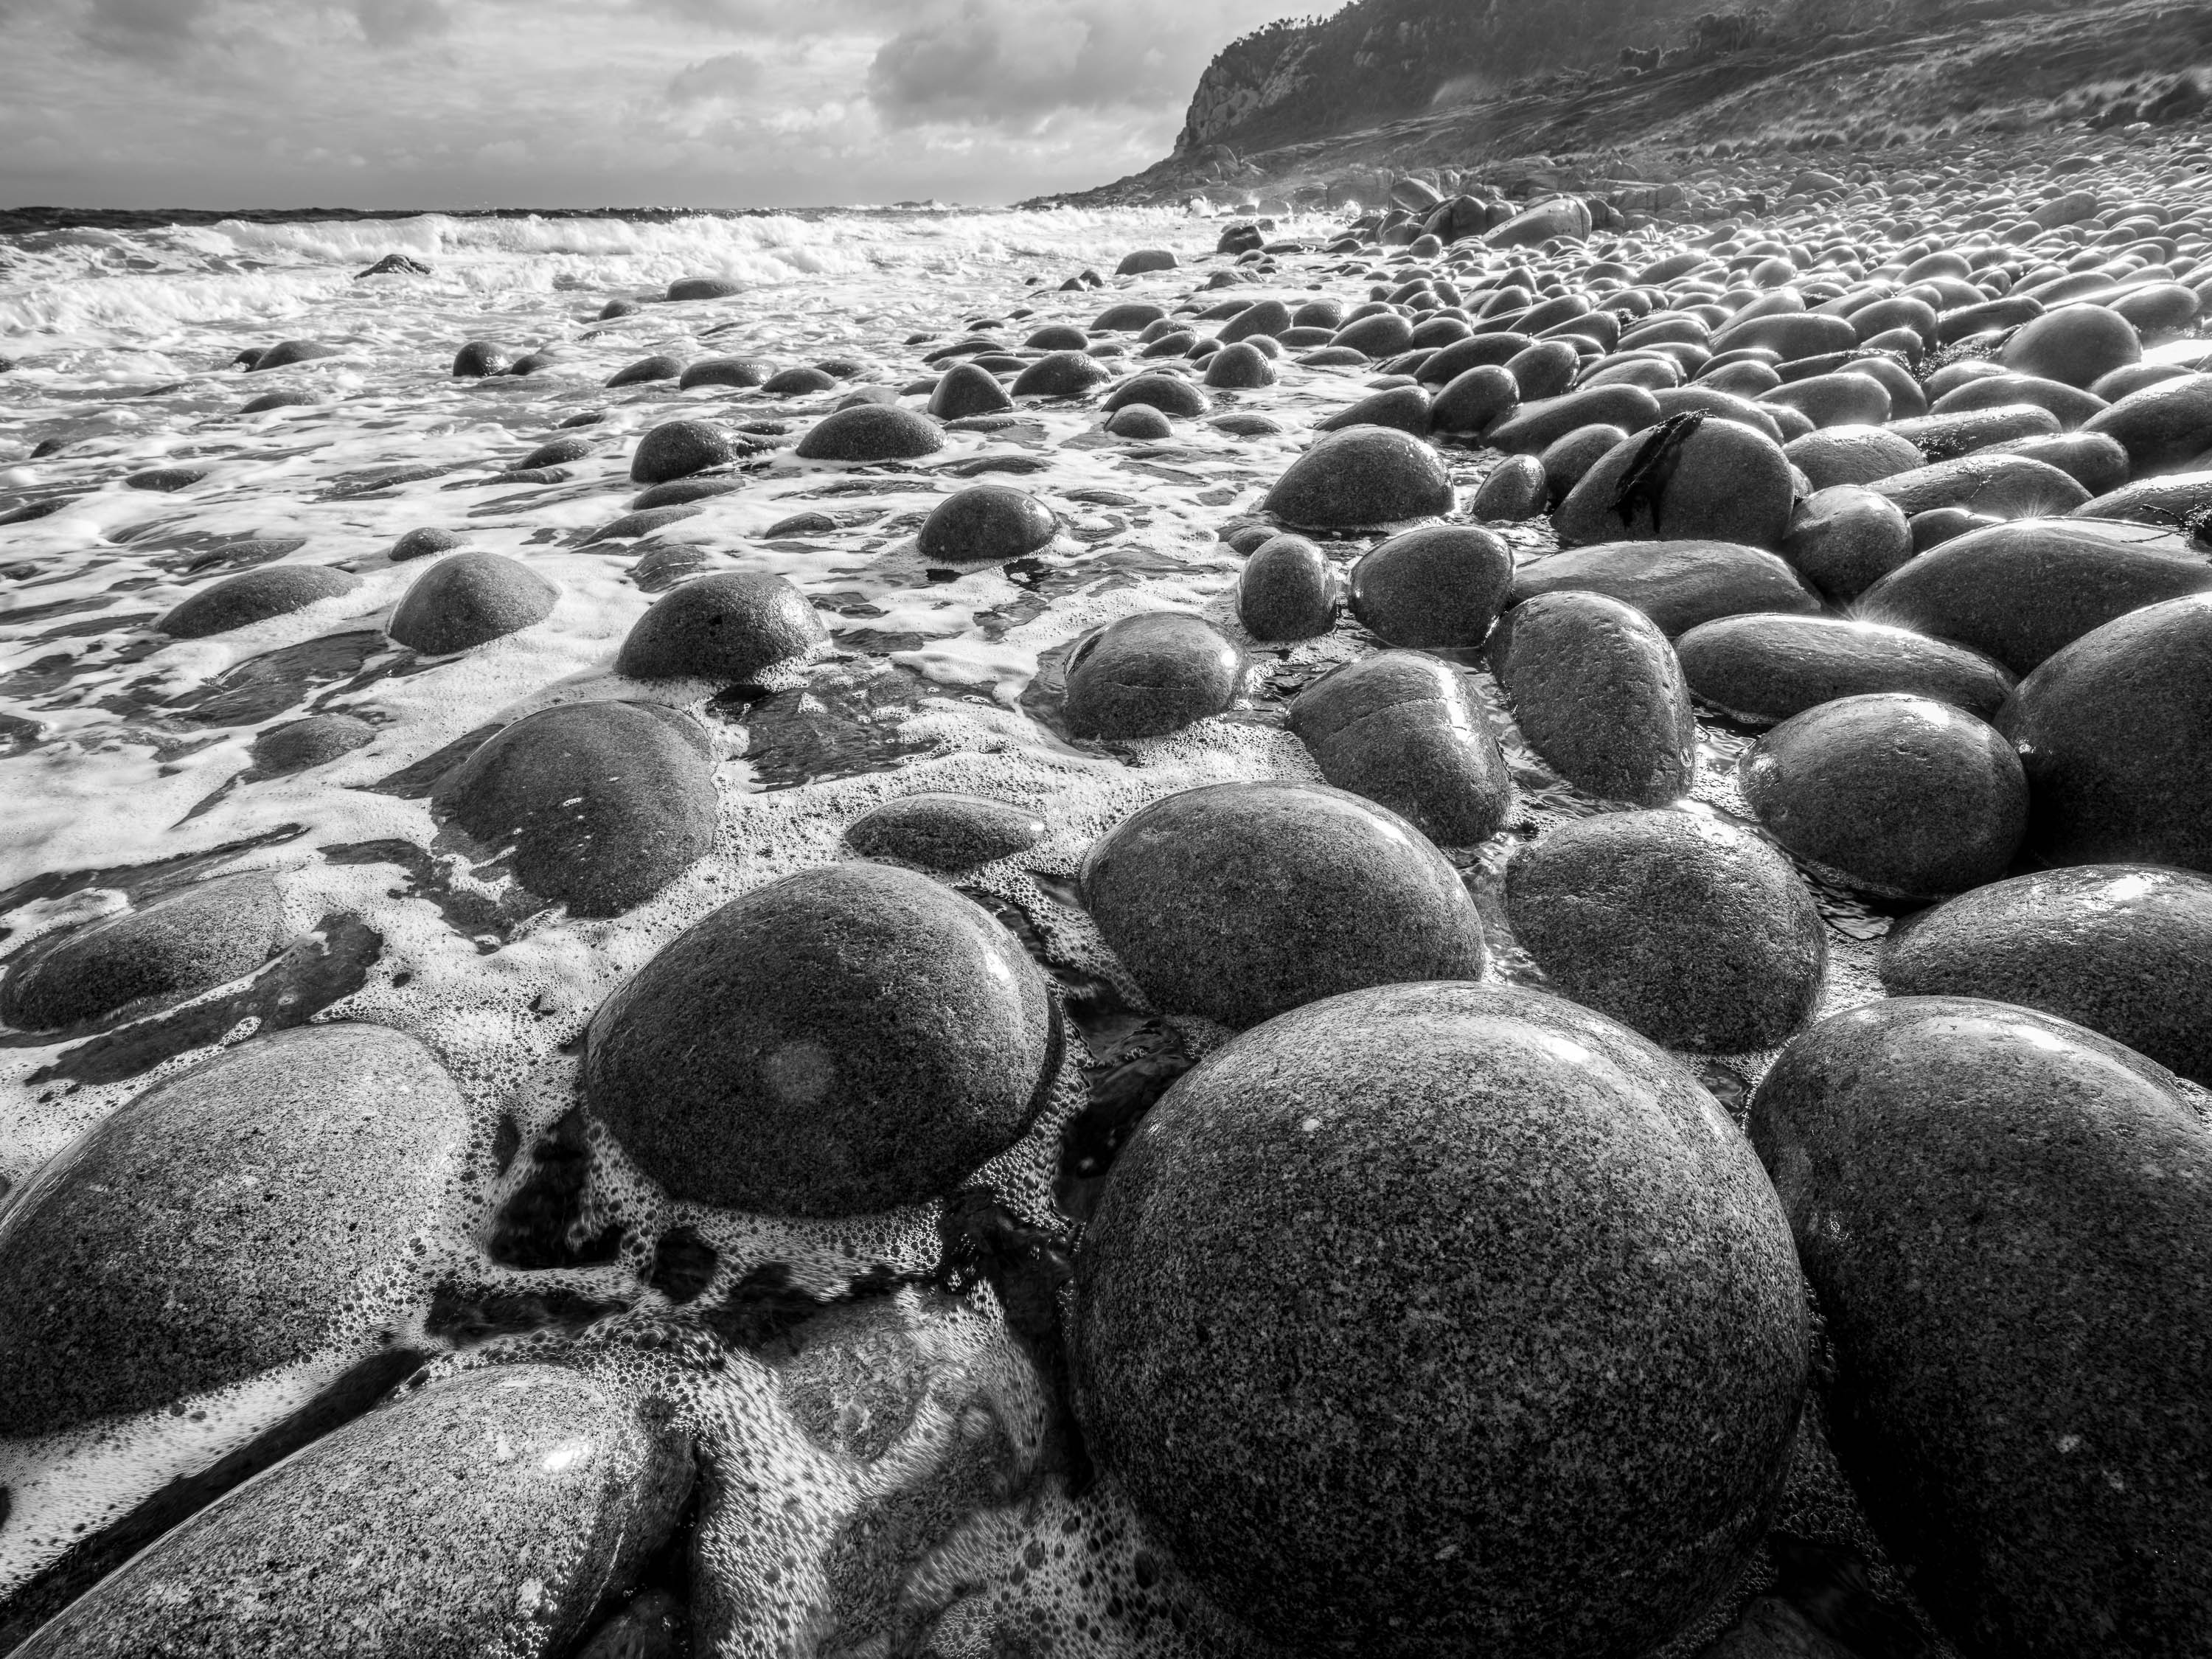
[{"x": 1472, "y": 921}]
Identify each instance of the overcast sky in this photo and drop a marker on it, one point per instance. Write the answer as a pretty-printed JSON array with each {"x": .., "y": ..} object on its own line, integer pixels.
[{"x": 715, "y": 103}]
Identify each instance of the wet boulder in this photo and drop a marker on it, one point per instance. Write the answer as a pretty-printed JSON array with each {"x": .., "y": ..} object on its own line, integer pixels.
[
  {"x": 687, "y": 289},
  {"x": 478, "y": 359},
  {"x": 1436, "y": 586},
  {"x": 1171, "y": 394},
  {"x": 1896, "y": 795},
  {"x": 1597, "y": 692},
  {"x": 469, "y": 600},
  {"x": 1475, "y": 401},
  {"x": 1242, "y": 367},
  {"x": 1590, "y": 1434},
  {"x": 2122, "y": 949},
  {"x": 1680, "y": 927},
  {"x": 214, "y": 1226},
  {"x": 739, "y": 371},
  {"x": 1148, "y": 675},
  {"x": 1689, "y": 478},
  {"x": 490, "y": 1512},
  {"x": 730, "y": 627},
  {"x": 1061, "y": 375},
  {"x": 1854, "y": 455},
  {"x": 647, "y": 370},
  {"x": 2018, "y": 1396},
  {"x": 2162, "y": 427},
  {"x": 1677, "y": 584},
  {"x": 870, "y": 432},
  {"x": 175, "y": 945},
  {"x": 986, "y": 523},
  {"x": 1761, "y": 668},
  {"x": 1515, "y": 490},
  {"x": 313, "y": 740},
  {"x": 2001, "y": 486},
  {"x": 597, "y": 805},
  {"x": 1288, "y": 591},
  {"x": 1241, "y": 901},
  {"x": 1540, "y": 423},
  {"x": 966, "y": 389},
  {"x": 1406, "y": 730},
  {"x": 1362, "y": 479},
  {"x": 677, "y": 449},
  {"x": 2116, "y": 733},
  {"x": 944, "y": 832},
  {"x": 2022, "y": 591},
  {"x": 252, "y": 596},
  {"x": 1845, "y": 538},
  {"x": 2075, "y": 345}
]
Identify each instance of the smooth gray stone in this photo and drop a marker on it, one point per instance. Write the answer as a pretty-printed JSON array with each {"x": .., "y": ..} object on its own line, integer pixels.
[
  {"x": 1763, "y": 668},
  {"x": 1288, "y": 590},
  {"x": 1148, "y": 675},
  {"x": 1534, "y": 1384},
  {"x": 213, "y": 1227},
  {"x": 1677, "y": 584},
  {"x": 253, "y": 596},
  {"x": 729, "y": 627},
  {"x": 469, "y": 599},
  {"x": 1597, "y": 692},
  {"x": 1437, "y": 585},
  {"x": 1406, "y": 730},
  {"x": 945, "y": 832},
  {"x": 1362, "y": 479}
]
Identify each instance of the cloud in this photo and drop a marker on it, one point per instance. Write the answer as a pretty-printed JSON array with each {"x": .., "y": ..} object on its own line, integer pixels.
[
  {"x": 732, "y": 74},
  {"x": 147, "y": 29},
  {"x": 1013, "y": 63},
  {"x": 397, "y": 22}
]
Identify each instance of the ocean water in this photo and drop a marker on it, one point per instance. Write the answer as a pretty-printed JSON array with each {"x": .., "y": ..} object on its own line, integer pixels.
[{"x": 123, "y": 755}]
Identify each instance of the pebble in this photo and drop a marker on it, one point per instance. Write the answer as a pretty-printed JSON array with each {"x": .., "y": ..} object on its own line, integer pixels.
[
  {"x": 1597, "y": 692},
  {"x": 285, "y": 353},
  {"x": 253, "y": 596},
  {"x": 1405, "y": 730},
  {"x": 1365, "y": 477},
  {"x": 177, "y": 945},
  {"x": 2020, "y": 591},
  {"x": 469, "y": 599},
  {"x": 487, "y": 1513},
  {"x": 1844, "y": 538},
  {"x": 1896, "y": 795},
  {"x": 870, "y": 432},
  {"x": 729, "y": 627},
  {"x": 1599, "y": 1278},
  {"x": 798, "y": 381},
  {"x": 213, "y": 1226},
  {"x": 1439, "y": 586},
  {"x": 1684, "y": 929},
  {"x": 943, "y": 833},
  {"x": 1567, "y": 461},
  {"x": 1760, "y": 669},
  {"x": 2122, "y": 949},
  {"x": 2019, "y": 1393},
  {"x": 840, "y": 1042},
  {"x": 1691, "y": 478},
  {"x": 1288, "y": 591},
  {"x": 1677, "y": 584},
  {"x": 603, "y": 803},
  {"x": 1241, "y": 901},
  {"x": 2116, "y": 733},
  {"x": 986, "y": 523},
  {"x": 1148, "y": 675}
]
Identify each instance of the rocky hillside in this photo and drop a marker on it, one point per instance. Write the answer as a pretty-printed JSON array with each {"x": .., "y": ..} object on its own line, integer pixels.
[{"x": 1304, "y": 114}]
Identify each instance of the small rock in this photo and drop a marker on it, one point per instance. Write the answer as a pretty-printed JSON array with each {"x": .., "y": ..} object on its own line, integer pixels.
[
  {"x": 1515, "y": 490},
  {"x": 314, "y": 741},
  {"x": 944, "y": 832},
  {"x": 2075, "y": 345},
  {"x": 1061, "y": 375},
  {"x": 1851, "y": 455},
  {"x": 964, "y": 390},
  {"x": 724, "y": 371},
  {"x": 422, "y": 544},
  {"x": 479, "y": 358}
]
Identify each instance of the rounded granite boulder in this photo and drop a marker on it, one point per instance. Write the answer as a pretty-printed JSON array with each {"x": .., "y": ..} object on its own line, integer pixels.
[
  {"x": 1240, "y": 900},
  {"x": 2116, "y": 734},
  {"x": 843, "y": 1042},
  {"x": 966, "y": 389},
  {"x": 944, "y": 832},
  {"x": 870, "y": 432},
  {"x": 987, "y": 524},
  {"x": 2075, "y": 345},
  {"x": 1288, "y": 591},
  {"x": 1597, "y": 692},
  {"x": 252, "y": 596},
  {"x": 730, "y": 627},
  {"x": 1762, "y": 668},
  {"x": 1365, "y": 477},
  {"x": 1692, "y": 478},
  {"x": 1435, "y": 586},
  {"x": 2123, "y": 949},
  {"x": 175, "y": 945},
  {"x": 1845, "y": 538},
  {"x": 469, "y": 600},
  {"x": 313, "y": 740},
  {"x": 490, "y": 1512},
  {"x": 1678, "y": 926},
  {"x": 1406, "y": 730},
  {"x": 1170, "y": 394},
  {"x": 599, "y": 804},
  {"x": 213, "y": 1227},
  {"x": 1851, "y": 455},
  {"x": 1899, "y": 795},
  {"x": 1442, "y": 1318},
  {"x": 1148, "y": 675},
  {"x": 1677, "y": 584},
  {"x": 677, "y": 449},
  {"x": 2006, "y": 1219}
]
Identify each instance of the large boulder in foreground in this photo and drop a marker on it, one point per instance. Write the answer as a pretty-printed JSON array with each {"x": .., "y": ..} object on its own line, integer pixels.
[
  {"x": 842, "y": 1042},
  {"x": 1443, "y": 1318},
  {"x": 2116, "y": 734},
  {"x": 215, "y": 1227},
  {"x": 1241, "y": 901},
  {"x": 599, "y": 804},
  {"x": 488, "y": 1513},
  {"x": 2008, "y": 1219},
  {"x": 1364, "y": 477}
]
